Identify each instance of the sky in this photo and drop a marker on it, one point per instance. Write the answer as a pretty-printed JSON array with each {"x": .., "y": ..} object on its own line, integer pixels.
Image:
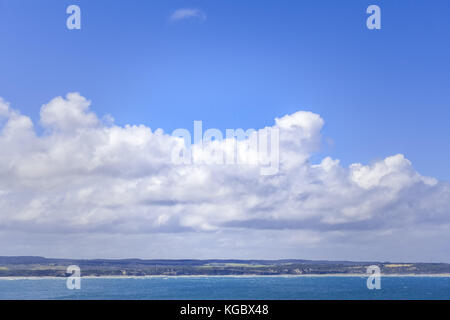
[{"x": 362, "y": 116}]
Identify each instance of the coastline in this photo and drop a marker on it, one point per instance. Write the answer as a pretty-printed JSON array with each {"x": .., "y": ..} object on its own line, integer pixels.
[{"x": 339, "y": 275}]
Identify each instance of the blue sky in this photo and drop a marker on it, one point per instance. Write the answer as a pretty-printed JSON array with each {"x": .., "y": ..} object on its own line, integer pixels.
[
  {"x": 74, "y": 186},
  {"x": 380, "y": 92}
]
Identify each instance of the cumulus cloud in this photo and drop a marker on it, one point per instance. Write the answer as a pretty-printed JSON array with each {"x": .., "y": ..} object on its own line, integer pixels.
[
  {"x": 187, "y": 13},
  {"x": 85, "y": 176}
]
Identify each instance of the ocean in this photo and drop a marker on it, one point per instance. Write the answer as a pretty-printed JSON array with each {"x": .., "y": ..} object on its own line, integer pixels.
[{"x": 246, "y": 288}]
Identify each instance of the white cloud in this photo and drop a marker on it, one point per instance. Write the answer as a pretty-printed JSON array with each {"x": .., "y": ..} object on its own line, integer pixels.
[
  {"x": 86, "y": 177},
  {"x": 187, "y": 13},
  {"x": 68, "y": 115}
]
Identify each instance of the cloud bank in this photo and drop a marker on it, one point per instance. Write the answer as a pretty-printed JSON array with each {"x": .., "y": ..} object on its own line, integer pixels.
[{"x": 88, "y": 178}]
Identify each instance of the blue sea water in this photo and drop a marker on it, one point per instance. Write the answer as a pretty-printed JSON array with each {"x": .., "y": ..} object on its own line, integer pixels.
[{"x": 228, "y": 288}]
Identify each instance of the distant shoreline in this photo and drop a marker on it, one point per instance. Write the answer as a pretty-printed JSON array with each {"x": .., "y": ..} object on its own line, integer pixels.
[
  {"x": 45, "y": 268},
  {"x": 441, "y": 275}
]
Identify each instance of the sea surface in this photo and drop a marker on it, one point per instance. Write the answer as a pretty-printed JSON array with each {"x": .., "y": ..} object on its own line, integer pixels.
[{"x": 245, "y": 288}]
